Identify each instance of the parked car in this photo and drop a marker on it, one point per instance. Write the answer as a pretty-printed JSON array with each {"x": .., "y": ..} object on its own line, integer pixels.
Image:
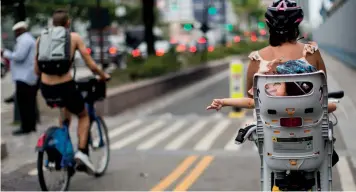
[
  {"x": 112, "y": 53},
  {"x": 162, "y": 47}
]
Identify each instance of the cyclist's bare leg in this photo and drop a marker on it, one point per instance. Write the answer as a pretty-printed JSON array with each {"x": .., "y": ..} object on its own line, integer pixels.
[
  {"x": 67, "y": 115},
  {"x": 83, "y": 129},
  {"x": 82, "y": 155}
]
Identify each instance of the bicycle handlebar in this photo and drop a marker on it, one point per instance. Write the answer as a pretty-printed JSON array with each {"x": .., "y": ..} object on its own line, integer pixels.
[{"x": 336, "y": 95}]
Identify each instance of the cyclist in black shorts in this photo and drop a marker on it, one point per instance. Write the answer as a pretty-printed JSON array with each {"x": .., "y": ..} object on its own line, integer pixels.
[{"x": 62, "y": 87}]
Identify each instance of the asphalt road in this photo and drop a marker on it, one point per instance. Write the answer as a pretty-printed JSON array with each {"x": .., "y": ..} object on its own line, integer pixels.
[{"x": 180, "y": 146}]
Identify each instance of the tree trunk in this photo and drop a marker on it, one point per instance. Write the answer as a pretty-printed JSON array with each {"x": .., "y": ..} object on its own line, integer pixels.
[{"x": 148, "y": 20}]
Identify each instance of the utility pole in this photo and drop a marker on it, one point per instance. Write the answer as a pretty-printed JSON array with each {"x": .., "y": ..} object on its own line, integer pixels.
[
  {"x": 101, "y": 38},
  {"x": 206, "y": 19},
  {"x": 223, "y": 4},
  {"x": 21, "y": 11}
]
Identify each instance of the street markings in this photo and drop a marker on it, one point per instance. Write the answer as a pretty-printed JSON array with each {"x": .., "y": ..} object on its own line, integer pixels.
[
  {"x": 180, "y": 140},
  {"x": 239, "y": 114},
  {"x": 211, "y": 136},
  {"x": 175, "y": 174},
  {"x": 161, "y": 136},
  {"x": 194, "y": 174},
  {"x": 171, "y": 134},
  {"x": 231, "y": 145},
  {"x": 137, "y": 135},
  {"x": 124, "y": 128},
  {"x": 182, "y": 168}
]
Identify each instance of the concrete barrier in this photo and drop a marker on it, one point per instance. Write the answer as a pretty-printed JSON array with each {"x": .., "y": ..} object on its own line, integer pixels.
[{"x": 133, "y": 94}]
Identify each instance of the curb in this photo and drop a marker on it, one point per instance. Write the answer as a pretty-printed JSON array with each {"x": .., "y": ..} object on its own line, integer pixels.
[
  {"x": 130, "y": 95},
  {"x": 3, "y": 150}
]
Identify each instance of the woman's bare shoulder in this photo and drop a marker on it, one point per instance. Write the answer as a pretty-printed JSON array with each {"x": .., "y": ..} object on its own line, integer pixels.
[{"x": 257, "y": 55}]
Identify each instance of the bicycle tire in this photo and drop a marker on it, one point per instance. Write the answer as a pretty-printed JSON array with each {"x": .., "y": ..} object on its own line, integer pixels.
[
  {"x": 105, "y": 132},
  {"x": 41, "y": 176}
]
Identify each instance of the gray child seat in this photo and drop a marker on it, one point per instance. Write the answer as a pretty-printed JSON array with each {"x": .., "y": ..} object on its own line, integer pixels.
[{"x": 303, "y": 148}]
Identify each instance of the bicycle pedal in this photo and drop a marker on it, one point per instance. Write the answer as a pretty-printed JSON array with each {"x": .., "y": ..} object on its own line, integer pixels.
[
  {"x": 81, "y": 168},
  {"x": 71, "y": 171}
]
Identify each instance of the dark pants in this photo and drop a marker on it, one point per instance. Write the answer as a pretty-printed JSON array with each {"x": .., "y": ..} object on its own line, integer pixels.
[{"x": 26, "y": 100}]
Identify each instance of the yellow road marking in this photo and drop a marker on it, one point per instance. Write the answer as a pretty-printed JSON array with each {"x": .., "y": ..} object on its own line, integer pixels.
[
  {"x": 240, "y": 114},
  {"x": 166, "y": 182},
  {"x": 194, "y": 174}
]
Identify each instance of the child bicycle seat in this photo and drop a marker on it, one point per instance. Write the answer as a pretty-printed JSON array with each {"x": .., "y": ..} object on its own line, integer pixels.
[{"x": 293, "y": 131}]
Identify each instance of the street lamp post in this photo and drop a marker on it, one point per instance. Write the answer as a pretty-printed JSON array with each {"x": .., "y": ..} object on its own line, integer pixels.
[
  {"x": 21, "y": 11},
  {"x": 101, "y": 43},
  {"x": 205, "y": 27}
]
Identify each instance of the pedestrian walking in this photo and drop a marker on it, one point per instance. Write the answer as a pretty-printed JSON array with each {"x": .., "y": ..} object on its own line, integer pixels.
[{"x": 22, "y": 69}]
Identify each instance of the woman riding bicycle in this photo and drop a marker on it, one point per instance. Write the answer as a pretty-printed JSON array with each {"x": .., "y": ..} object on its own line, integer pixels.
[{"x": 283, "y": 18}]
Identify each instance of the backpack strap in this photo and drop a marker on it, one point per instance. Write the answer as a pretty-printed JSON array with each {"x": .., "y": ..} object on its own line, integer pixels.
[{"x": 72, "y": 59}]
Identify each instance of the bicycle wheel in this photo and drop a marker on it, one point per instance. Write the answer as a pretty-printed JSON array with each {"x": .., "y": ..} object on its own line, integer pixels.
[
  {"x": 41, "y": 170},
  {"x": 102, "y": 142}
]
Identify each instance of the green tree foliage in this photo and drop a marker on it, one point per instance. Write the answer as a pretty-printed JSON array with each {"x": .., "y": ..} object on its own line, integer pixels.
[
  {"x": 252, "y": 8},
  {"x": 39, "y": 9},
  {"x": 134, "y": 15}
]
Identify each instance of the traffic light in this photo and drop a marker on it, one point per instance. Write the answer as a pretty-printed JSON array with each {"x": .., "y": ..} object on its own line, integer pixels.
[
  {"x": 188, "y": 26},
  {"x": 212, "y": 10},
  {"x": 261, "y": 25},
  {"x": 229, "y": 27},
  {"x": 174, "y": 6},
  {"x": 263, "y": 32},
  {"x": 204, "y": 27}
]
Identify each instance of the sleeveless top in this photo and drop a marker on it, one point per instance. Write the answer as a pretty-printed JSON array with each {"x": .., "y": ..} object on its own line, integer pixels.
[{"x": 264, "y": 66}]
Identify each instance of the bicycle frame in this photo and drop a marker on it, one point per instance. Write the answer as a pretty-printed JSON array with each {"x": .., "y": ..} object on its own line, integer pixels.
[
  {"x": 93, "y": 117},
  {"x": 66, "y": 161}
]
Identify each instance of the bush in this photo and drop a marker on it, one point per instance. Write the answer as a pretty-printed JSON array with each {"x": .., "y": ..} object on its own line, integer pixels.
[{"x": 153, "y": 66}]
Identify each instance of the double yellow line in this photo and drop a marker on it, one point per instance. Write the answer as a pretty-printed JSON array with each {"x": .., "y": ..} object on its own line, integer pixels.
[{"x": 178, "y": 171}]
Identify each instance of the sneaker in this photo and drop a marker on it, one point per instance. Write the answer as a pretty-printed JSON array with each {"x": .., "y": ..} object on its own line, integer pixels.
[{"x": 84, "y": 163}]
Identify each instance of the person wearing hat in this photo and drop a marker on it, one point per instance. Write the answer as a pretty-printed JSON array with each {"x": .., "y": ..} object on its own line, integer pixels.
[{"x": 23, "y": 74}]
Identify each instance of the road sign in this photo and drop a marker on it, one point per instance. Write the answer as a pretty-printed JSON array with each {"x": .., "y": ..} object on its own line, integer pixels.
[
  {"x": 204, "y": 28},
  {"x": 201, "y": 7},
  {"x": 236, "y": 79},
  {"x": 237, "y": 87}
]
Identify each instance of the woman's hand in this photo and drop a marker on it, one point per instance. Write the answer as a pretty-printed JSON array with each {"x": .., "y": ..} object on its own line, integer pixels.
[
  {"x": 273, "y": 65},
  {"x": 217, "y": 104}
]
